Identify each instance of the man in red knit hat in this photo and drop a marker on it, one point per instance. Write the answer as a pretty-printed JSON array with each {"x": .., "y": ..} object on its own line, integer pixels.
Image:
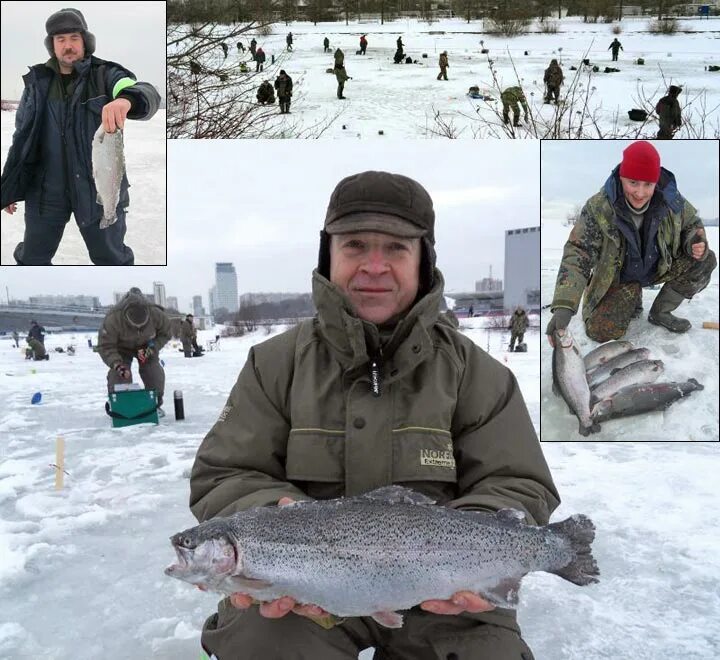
[{"x": 636, "y": 232}]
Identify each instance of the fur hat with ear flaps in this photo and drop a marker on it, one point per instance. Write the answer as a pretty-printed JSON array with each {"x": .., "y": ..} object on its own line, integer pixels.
[{"x": 66, "y": 21}]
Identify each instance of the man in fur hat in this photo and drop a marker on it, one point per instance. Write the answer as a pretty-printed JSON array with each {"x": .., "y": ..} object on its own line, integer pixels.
[{"x": 49, "y": 164}]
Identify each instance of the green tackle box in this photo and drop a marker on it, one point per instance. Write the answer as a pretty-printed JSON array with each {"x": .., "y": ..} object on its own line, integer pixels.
[{"x": 132, "y": 407}]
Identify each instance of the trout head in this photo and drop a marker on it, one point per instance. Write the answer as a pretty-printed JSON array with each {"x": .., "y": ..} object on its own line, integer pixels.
[{"x": 206, "y": 554}]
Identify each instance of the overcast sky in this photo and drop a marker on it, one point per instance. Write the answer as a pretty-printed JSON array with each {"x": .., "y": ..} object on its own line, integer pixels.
[
  {"x": 574, "y": 170},
  {"x": 261, "y": 205},
  {"x": 129, "y": 33}
]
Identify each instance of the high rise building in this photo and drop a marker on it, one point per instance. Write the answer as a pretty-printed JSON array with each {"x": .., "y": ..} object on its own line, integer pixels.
[
  {"x": 212, "y": 296},
  {"x": 197, "y": 306},
  {"x": 226, "y": 291},
  {"x": 172, "y": 303},
  {"x": 159, "y": 294},
  {"x": 522, "y": 268}
]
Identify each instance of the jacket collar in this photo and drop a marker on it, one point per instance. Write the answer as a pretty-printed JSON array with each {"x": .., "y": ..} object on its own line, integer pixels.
[{"x": 353, "y": 340}]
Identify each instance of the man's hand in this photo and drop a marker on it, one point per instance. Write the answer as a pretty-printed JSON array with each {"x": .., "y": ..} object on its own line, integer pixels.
[
  {"x": 11, "y": 209},
  {"x": 114, "y": 114},
  {"x": 698, "y": 246},
  {"x": 461, "y": 601},
  {"x": 559, "y": 321},
  {"x": 144, "y": 354},
  {"x": 123, "y": 371}
]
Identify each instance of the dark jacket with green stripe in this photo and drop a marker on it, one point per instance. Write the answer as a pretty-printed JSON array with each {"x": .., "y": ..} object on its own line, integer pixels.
[
  {"x": 51, "y": 153},
  {"x": 601, "y": 250},
  {"x": 302, "y": 420}
]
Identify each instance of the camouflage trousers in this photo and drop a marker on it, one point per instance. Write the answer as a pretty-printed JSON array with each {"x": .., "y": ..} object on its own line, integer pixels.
[
  {"x": 507, "y": 106},
  {"x": 665, "y": 132},
  {"x": 443, "y": 73},
  {"x": 232, "y": 634},
  {"x": 611, "y": 318},
  {"x": 516, "y": 336},
  {"x": 553, "y": 93}
]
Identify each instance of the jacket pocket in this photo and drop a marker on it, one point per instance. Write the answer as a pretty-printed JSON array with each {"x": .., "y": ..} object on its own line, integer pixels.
[
  {"x": 315, "y": 455},
  {"x": 423, "y": 455}
]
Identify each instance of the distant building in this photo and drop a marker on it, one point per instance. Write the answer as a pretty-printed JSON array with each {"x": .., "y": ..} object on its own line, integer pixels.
[
  {"x": 226, "y": 291},
  {"x": 488, "y": 284},
  {"x": 488, "y": 303},
  {"x": 249, "y": 299},
  {"x": 522, "y": 268},
  {"x": 198, "y": 309},
  {"x": 159, "y": 294},
  {"x": 90, "y": 302},
  {"x": 172, "y": 303},
  {"x": 212, "y": 295}
]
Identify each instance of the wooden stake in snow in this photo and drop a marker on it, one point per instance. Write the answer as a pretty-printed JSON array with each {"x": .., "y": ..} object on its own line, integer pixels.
[
  {"x": 711, "y": 325},
  {"x": 59, "y": 462}
]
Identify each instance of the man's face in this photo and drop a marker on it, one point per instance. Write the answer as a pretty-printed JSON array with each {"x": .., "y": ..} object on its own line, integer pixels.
[
  {"x": 69, "y": 48},
  {"x": 638, "y": 193},
  {"x": 379, "y": 273}
]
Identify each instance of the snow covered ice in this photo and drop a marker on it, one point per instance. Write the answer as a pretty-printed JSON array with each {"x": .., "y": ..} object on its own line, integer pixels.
[
  {"x": 144, "y": 144},
  {"x": 81, "y": 570},
  {"x": 400, "y": 99}
]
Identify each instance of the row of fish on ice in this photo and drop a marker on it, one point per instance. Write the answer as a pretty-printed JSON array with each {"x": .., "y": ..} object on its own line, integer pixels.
[{"x": 613, "y": 380}]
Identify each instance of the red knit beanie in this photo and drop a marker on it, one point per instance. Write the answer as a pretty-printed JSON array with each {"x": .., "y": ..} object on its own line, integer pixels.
[{"x": 641, "y": 162}]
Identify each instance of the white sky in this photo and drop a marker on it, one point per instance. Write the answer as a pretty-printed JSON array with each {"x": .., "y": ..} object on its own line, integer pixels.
[
  {"x": 129, "y": 33},
  {"x": 261, "y": 205},
  {"x": 574, "y": 170}
]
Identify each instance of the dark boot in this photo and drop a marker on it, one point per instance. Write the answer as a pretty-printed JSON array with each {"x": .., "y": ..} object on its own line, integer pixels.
[{"x": 666, "y": 301}]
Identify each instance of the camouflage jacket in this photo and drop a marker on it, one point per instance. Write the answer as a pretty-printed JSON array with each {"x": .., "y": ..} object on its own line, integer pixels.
[
  {"x": 443, "y": 62},
  {"x": 594, "y": 253},
  {"x": 519, "y": 322},
  {"x": 514, "y": 95},
  {"x": 554, "y": 75},
  {"x": 339, "y": 58}
]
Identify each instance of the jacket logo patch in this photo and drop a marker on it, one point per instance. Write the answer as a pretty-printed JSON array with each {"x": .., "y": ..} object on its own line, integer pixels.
[
  {"x": 437, "y": 458},
  {"x": 225, "y": 412}
]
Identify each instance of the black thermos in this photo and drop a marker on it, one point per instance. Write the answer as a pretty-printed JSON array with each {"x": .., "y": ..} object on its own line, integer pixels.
[{"x": 179, "y": 408}]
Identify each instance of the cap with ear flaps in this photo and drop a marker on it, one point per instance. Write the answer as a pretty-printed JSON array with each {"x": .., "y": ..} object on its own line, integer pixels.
[
  {"x": 381, "y": 202},
  {"x": 66, "y": 21}
]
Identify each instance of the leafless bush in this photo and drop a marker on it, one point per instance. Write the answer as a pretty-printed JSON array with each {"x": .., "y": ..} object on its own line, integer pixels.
[
  {"x": 232, "y": 331},
  {"x": 664, "y": 26},
  {"x": 572, "y": 217},
  {"x": 507, "y": 27},
  {"x": 548, "y": 27},
  {"x": 265, "y": 30},
  {"x": 498, "y": 322},
  {"x": 617, "y": 29},
  {"x": 210, "y": 97}
]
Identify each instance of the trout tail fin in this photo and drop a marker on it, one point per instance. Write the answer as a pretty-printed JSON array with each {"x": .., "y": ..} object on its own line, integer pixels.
[{"x": 579, "y": 530}]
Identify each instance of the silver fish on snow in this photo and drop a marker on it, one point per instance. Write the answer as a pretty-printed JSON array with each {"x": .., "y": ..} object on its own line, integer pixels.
[
  {"x": 637, "y": 373},
  {"x": 646, "y": 397},
  {"x": 377, "y": 553},
  {"x": 607, "y": 369},
  {"x": 570, "y": 381},
  {"x": 108, "y": 163},
  {"x": 605, "y": 352}
]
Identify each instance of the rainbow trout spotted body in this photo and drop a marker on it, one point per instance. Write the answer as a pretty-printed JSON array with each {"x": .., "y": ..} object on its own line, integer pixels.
[
  {"x": 378, "y": 553},
  {"x": 108, "y": 162}
]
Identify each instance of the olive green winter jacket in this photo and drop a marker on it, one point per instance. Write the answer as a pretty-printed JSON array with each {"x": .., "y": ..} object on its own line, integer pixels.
[
  {"x": 303, "y": 422},
  {"x": 117, "y": 337},
  {"x": 595, "y": 251}
]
